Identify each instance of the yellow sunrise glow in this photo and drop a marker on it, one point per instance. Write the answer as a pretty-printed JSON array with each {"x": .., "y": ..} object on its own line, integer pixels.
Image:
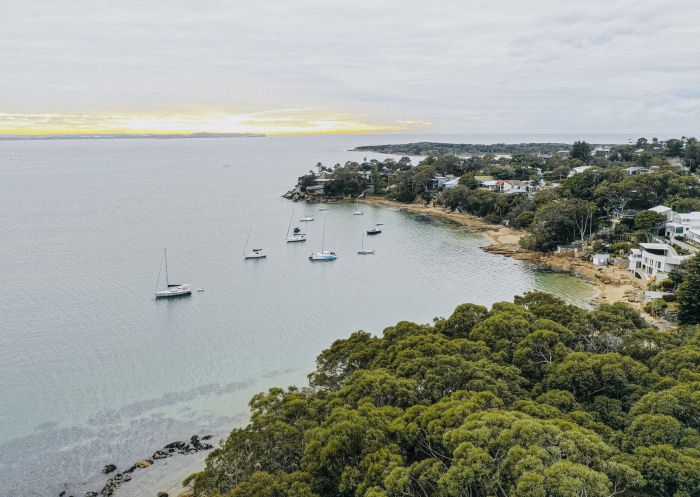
[{"x": 289, "y": 121}]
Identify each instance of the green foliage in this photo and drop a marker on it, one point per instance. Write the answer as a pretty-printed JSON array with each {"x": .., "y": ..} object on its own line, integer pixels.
[
  {"x": 581, "y": 151},
  {"x": 689, "y": 292},
  {"x": 534, "y": 398}
]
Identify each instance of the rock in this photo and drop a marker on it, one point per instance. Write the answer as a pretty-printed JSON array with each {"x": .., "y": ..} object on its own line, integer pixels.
[
  {"x": 144, "y": 463},
  {"x": 207, "y": 437},
  {"x": 162, "y": 494},
  {"x": 62, "y": 494},
  {"x": 91, "y": 494},
  {"x": 108, "y": 469},
  {"x": 175, "y": 445},
  {"x": 159, "y": 454}
]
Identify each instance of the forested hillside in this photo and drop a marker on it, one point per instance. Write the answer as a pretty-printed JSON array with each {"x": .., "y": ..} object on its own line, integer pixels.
[{"x": 534, "y": 398}]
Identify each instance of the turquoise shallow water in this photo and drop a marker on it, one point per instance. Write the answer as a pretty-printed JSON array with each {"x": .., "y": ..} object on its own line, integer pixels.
[{"x": 94, "y": 371}]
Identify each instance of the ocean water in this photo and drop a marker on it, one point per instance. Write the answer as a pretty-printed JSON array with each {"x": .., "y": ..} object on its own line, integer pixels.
[{"x": 94, "y": 371}]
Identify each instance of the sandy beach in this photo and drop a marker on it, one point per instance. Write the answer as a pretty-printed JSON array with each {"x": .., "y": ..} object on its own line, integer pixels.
[{"x": 613, "y": 284}]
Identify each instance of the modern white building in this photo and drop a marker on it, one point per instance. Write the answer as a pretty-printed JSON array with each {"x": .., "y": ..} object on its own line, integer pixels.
[
  {"x": 680, "y": 224},
  {"x": 654, "y": 260}
]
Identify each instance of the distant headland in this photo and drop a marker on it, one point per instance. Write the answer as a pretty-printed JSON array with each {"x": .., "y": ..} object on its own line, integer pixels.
[
  {"x": 122, "y": 136},
  {"x": 436, "y": 148}
]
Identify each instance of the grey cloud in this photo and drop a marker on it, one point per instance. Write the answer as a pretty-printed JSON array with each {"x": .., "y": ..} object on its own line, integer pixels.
[{"x": 467, "y": 66}]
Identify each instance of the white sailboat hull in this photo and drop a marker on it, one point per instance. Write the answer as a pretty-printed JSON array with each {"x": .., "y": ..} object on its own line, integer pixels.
[
  {"x": 174, "y": 291},
  {"x": 307, "y": 218},
  {"x": 323, "y": 256},
  {"x": 365, "y": 252},
  {"x": 296, "y": 238}
]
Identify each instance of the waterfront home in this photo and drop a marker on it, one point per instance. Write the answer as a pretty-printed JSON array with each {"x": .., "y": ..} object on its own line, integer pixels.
[
  {"x": 451, "y": 183},
  {"x": 601, "y": 260},
  {"x": 681, "y": 224},
  {"x": 625, "y": 214},
  {"x": 438, "y": 182},
  {"x": 662, "y": 209},
  {"x": 513, "y": 186},
  {"x": 654, "y": 260},
  {"x": 579, "y": 170},
  {"x": 491, "y": 185},
  {"x": 635, "y": 170}
]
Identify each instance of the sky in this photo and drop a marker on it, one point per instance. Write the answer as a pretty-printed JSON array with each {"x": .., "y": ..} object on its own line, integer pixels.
[{"x": 328, "y": 66}]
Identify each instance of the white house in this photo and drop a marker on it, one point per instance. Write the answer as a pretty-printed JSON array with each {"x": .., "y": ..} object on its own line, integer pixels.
[
  {"x": 601, "y": 260},
  {"x": 662, "y": 209},
  {"x": 682, "y": 224},
  {"x": 578, "y": 170},
  {"x": 513, "y": 186},
  {"x": 654, "y": 260}
]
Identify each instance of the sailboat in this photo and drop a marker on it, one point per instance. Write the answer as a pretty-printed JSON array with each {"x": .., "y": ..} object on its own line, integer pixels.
[
  {"x": 363, "y": 250},
  {"x": 297, "y": 235},
  {"x": 357, "y": 212},
  {"x": 255, "y": 253},
  {"x": 306, "y": 217},
  {"x": 323, "y": 255},
  {"x": 173, "y": 289}
]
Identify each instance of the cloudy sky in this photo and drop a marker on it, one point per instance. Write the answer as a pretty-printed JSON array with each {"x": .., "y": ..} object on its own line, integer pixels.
[{"x": 362, "y": 65}]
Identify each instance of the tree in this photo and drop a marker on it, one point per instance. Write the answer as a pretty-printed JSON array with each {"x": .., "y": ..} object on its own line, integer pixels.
[
  {"x": 649, "y": 222},
  {"x": 581, "y": 150},
  {"x": 689, "y": 292}
]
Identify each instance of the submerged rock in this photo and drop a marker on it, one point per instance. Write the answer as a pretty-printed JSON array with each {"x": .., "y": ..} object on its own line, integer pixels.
[
  {"x": 175, "y": 445},
  {"x": 108, "y": 468}
]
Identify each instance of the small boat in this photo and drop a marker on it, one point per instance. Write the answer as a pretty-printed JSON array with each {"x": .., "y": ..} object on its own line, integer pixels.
[
  {"x": 373, "y": 231},
  {"x": 379, "y": 224},
  {"x": 173, "y": 289},
  {"x": 296, "y": 235},
  {"x": 323, "y": 255},
  {"x": 307, "y": 218},
  {"x": 255, "y": 253},
  {"x": 363, "y": 250},
  {"x": 200, "y": 289},
  {"x": 321, "y": 209}
]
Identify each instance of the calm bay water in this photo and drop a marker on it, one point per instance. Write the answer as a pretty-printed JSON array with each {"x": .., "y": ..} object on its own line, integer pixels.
[{"x": 94, "y": 371}]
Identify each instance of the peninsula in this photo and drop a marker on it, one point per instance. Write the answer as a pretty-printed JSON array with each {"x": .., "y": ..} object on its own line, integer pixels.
[{"x": 625, "y": 216}]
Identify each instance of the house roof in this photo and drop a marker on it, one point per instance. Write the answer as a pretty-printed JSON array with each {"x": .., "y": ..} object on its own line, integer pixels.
[
  {"x": 661, "y": 209},
  {"x": 655, "y": 246}
]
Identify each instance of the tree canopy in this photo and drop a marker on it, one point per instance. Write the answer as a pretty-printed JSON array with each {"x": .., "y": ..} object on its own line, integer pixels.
[{"x": 535, "y": 398}]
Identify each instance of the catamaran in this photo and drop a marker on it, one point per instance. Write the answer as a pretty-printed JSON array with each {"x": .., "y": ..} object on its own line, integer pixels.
[
  {"x": 255, "y": 253},
  {"x": 363, "y": 250},
  {"x": 173, "y": 289},
  {"x": 296, "y": 235},
  {"x": 323, "y": 255}
]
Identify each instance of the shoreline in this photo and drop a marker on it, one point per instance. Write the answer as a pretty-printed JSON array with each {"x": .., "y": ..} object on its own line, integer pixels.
[{"x": 612, "y": 284}]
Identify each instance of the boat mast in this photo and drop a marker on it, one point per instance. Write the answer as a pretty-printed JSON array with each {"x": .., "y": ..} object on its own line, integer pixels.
[
  {"x": 165, "y": 255},
  {"x": 290, "y": 223},
  {"x": 323, "y": 236},
  {"x": 248, "y": 238}
]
